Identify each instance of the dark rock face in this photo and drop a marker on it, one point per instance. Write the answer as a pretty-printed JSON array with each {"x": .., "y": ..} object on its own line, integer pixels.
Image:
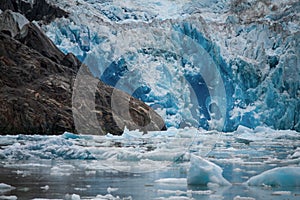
[
  {"x": 37, "y": 85},
  {"x": 35, "y": 92},
  {"x": 39, "y": 10},
  {"x": 34, "y": 38}
]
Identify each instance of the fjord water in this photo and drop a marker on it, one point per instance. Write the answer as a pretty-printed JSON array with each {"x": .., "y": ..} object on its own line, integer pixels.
[{"x": 137, "y": 166}]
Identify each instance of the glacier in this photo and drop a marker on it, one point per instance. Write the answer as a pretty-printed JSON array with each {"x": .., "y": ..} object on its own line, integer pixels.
[
  {"x": 163, "y": 53},
  {"x": 223, "y": 74}
]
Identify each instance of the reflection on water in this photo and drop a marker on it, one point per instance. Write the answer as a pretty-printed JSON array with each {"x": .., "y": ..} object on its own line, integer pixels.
[
  {"x": 57, "y": 167},
  {"x": 32, "y": 180}
]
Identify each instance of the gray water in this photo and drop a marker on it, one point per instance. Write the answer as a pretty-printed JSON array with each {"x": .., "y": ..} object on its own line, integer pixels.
[
  {"x": 29, "y": 182},
  {"x": 56, "y": 167}
]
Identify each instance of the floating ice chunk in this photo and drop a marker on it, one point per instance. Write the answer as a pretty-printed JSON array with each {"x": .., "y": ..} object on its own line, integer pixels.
[
  {"x": 279, "y": 193},
  {"x": 62, "y": 170},
  {"x": 72, "y": 197},
  {"x": 75, "y": 197},
  {"x": 174, "y": 198},
  {"x": 202, "y": 172},
  {"x": 5, "y": 187},
  {"x": 8, "y": 197},
  {"x": 244, "y": 129},
  {"x": 68, "y": 135},
  {"x": 174, "y": 192},
  {"x": 80, "y": 189},
  {"x": 132, "y": 134},
  {"x": 243, "y": 198},
  {"x": 46, "y": 187},
  {"x": 189, "y": 193},
  {"x": 110, "y": 197},
  {"x": 23, "y": 173},
  {"x": 281, "y": 176},
  {"x": 110, "y": 189},
  {"x": 173, "y": 181},
  {"x": 44, "y": 199},
  {"x": 201, "y": 192},
  {"x": 296, "y": 154}
]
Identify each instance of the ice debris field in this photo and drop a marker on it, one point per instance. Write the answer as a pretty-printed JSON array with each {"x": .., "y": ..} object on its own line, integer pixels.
[{"x": 177, "y": 164}]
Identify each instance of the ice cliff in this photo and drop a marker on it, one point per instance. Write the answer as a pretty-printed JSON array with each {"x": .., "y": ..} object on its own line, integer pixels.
[{"x": 211, "y": 64}]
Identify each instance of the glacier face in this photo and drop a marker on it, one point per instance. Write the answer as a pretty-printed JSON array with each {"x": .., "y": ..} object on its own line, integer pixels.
[{"x": 213, "y": 64}]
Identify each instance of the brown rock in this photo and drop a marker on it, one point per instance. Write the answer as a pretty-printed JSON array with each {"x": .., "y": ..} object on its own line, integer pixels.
[
  {"x": 39, "y": 10},
  {"x": 41, "y": 91}
]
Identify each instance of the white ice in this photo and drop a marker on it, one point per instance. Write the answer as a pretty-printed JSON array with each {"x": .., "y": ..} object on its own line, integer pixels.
[
  {"x": 200, "y": 155},
  {"x": 243, "y": 198},
  {"x": 172, "y": 181},
  {"x": 257, "y": 75},
  {"x": 277, "y": 177},
  {"x": 12, "y": 197},
  {"x": 5, "y": 187},
  {"x": 203, "y": 172}
]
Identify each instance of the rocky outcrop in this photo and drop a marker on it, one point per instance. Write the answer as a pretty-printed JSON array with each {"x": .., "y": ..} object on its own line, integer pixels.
[
  {"x": 34, "y": 9},
  {"x": 37, "y": 86}
]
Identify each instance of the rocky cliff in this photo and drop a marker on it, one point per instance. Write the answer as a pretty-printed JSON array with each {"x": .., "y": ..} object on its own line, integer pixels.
[
  {"x": 37, "y": 85},
  {"x": 34, "y": 9}
]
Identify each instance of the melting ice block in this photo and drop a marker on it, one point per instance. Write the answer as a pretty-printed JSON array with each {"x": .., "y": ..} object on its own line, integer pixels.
[
  {"x": 281, "y": 176},
  {"x": 5, "y": 188},
  {"x": 202, "y": 172}
]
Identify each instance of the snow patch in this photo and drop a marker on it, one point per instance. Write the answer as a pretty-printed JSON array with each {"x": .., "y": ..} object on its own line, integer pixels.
[{"x": 12, "y": 22}]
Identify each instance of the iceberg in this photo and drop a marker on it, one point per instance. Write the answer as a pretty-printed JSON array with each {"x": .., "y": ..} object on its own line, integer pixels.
[
  {"x": 12, "y": 197},
  {"x": 5, "y": 188},
  {"x": 277, "y": 177},
  {"x": 203, "y": 172}
]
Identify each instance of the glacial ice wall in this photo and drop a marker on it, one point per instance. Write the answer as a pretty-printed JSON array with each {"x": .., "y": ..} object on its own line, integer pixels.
[{"x": 212, "y": 64}]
